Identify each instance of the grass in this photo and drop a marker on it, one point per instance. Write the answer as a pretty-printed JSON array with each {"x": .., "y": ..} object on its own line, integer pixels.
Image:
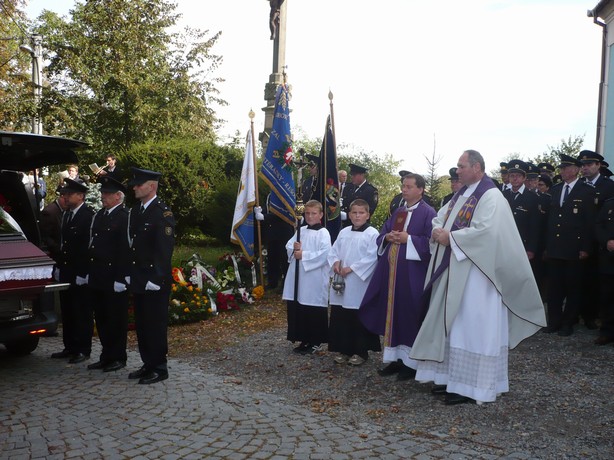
[{"x": 227, "y": 328}]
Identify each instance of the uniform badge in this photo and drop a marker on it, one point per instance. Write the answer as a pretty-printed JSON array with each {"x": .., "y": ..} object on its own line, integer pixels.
[
  {"x": 575, "y": 210},
  {"x": 596, "y": 201},
  {"x": 167, "y": 214},
  {"x": 168, "y": 231}
]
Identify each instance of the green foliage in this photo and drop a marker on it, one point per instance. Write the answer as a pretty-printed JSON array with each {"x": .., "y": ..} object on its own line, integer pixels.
[
  {"x": 570, "y": 146},
  {"x": 16, "y": 93},
  {"x": 217, "y": 221},
  {"x": 191, "y": 170},
  {"x": 118, "y": 76}
]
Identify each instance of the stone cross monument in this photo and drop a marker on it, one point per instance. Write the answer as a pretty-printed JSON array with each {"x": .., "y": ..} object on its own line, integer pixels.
[{"x": 277, "y": 26}]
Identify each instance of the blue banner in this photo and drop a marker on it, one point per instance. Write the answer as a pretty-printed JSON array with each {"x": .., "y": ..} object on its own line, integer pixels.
[{"x": 276, "y": 168}]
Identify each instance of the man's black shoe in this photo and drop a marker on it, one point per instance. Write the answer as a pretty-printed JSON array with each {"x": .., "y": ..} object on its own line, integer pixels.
[
  {"x": 138, "y": 374},
  {"x": 114, "y": 366},
  {"x": 406, "y": 373},
  {"x": 153, "y": 377},
  {"x": 78, "y": 358},
  {"x": 391, "y": 369},
  {"x": 96, "y": 365},
  {"x": 439, "y": 389},
  {"x": 453, "y": 399},
  {"x": 302, "y": 349},
  {"x": 61, "y": 354}
]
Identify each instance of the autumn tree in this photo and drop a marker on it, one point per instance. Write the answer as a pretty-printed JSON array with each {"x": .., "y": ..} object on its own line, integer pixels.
[
  {"x": 119, "y": 76},
  {"x": 16, "y": 92}
]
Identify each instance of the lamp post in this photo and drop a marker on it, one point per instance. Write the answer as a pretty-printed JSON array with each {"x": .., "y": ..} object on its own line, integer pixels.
[{"x": 36, "y": 52}]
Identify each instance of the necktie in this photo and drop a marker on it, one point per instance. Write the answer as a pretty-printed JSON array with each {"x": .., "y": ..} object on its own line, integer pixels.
[
  {"x": 516, "y": 194},
  {"x": 566, "y": 193},
  {"x": 69, "y": 217},
  {"x": 106, "y": 212},
  {"x": 142, "y": 209}
]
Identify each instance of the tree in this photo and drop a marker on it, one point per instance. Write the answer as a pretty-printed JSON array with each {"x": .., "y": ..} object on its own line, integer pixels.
[
  {"x": 16, "y": 95},
  {"x": 570, "y": 146},
  {"x": 118, "y": 77},
  {"x": 434, "y": 187}
]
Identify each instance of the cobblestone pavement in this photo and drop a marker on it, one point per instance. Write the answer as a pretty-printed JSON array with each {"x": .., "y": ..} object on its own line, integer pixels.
[{"x": 53, "y": 410}]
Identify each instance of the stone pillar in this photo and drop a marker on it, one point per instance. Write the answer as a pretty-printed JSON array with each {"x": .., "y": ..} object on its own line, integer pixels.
[{"x": 277, "y": 76}]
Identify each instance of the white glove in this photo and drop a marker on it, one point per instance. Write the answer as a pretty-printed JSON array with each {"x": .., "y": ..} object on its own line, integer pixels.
[
  {"x": 151, "y": 287},
  {"x": 56, "y": 274},
  {"x": 119, "y": 287},
  {"x": 258, "y": 213},
  {"x": 344, "y": 215},
  {"x": 127, "y": 278},
  {"x": 80, "y": 281}
]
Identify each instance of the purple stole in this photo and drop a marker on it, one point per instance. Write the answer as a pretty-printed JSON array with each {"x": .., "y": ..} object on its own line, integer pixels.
[{"x": 462, "y": 220}]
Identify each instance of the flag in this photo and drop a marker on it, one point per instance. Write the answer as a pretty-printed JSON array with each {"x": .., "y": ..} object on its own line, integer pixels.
[
  {"x": 327, "y": 187},
  {"x": 242, "y": 232},
  {"x": 277, "y": 163}
]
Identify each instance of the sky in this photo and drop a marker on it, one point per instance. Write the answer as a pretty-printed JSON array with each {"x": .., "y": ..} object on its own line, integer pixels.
[{"x": 412, "y": 78}]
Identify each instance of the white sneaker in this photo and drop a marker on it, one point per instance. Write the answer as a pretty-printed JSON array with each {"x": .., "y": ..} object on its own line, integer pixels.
[
  {"x": 315, "y": 349},
  {"x": 356, "y": 360},
  {"x": 341, "y": 359}
]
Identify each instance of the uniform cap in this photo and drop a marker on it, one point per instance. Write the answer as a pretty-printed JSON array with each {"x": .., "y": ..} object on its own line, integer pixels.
[
  {"x": 532, "y": 171},
  {"x": 504, "y": 167},
  {"x": 140, "y": 176},
  {"x": 108, "y": 184},
  {"x": 588, "y": 156},
  {"x": 73, "y": 186},
  {"x": 517, "y": 166},
  {"x": 567, "y": 160},
  {"x": 453, "y": 173},
  {"x": 545, "y": 167},
  {"x": 356, "y": 169},
  {"x": 545, "y": 178}
]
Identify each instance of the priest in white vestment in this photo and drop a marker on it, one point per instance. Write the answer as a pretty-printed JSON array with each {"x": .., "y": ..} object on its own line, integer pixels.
[{"x": 483, "y": 296}]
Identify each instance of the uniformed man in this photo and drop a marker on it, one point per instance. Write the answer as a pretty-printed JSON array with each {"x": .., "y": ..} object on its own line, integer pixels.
[
  {"x": 109, "y": 254},
  {"x": 605, "y": 171},
  {"x": 568, "y": 244},
  {"x": 532, "y": 177},
  {"x": 603, "y": 189},
  {"x": 50, "y": 225},
  {"x": 362, "y": 189},
  {"x": 525, "y": 208},
  {"x": 605, "y": 237},
  {"x": 152, "y": 229},
  {"x": 77, "y": 313},
  {"x": 455, "y": 185},
  {"x": 311, "y": 183},
  {"x": 546, "y": 169},
  {"x": 504, "y": 178}
]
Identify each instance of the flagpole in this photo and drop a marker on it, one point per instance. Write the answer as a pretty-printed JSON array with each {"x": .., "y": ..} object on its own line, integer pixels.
[
  {"x": 258, "y": 231},
  {"x": 332, "y": 118}
]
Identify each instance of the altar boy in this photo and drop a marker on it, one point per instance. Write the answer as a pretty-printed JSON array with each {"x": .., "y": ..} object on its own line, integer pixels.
[{"x": 307, "y": 255}]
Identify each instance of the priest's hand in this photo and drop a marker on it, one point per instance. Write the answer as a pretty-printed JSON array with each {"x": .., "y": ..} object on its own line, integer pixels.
[
  {"x": 441, "y": 236},
  {"x": 610, "y": 245},
  {"x": 336, "y": 266},
  {"x": 583, "y": 255}
]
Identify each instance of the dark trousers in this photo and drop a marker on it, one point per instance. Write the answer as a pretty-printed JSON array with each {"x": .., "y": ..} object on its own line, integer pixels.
[
  {"x": 151, "y": 318},
  {"x": 589, "y": 309},
  {"x": 77, "y": 319},
  {"x": 111, "y": 313},
  {"x": 564, "y": 285},
  {"x": 606, "y": 312}
]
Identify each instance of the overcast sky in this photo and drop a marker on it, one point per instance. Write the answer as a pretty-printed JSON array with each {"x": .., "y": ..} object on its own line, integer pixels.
[{"x": 498, "y": 76}]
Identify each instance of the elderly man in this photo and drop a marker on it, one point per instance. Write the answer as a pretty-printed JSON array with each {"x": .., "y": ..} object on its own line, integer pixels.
[
  {"x": 483, "y": 297},
  {"x": 152, "y": 229},
  {"x": 109, "y": 254}
]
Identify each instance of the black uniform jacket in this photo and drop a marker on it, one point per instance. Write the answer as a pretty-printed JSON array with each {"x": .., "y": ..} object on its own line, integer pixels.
[
  {"x": 570, "y": 227},
  {"x": 153, "y": 240},
  {"x": 109, "y": 250},
  {"x": 75, "y": 240}
]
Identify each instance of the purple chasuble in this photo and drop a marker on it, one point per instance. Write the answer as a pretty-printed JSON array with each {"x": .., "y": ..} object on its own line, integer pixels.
[{"x": 391, "y": 306}]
